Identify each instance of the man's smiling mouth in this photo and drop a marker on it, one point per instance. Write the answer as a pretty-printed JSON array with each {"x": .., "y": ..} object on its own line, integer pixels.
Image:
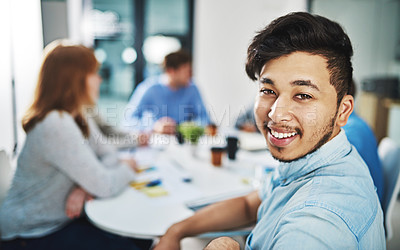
[{"x": 279, "y": 135}]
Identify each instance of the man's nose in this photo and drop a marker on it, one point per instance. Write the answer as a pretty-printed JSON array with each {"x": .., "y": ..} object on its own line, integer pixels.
[{"x": 280, "y": 110}]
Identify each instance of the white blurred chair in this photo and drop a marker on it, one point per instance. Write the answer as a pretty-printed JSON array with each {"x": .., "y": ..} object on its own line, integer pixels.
[
  {"x": 6, "y": 174},
  {"x": 389, "y": 152}
]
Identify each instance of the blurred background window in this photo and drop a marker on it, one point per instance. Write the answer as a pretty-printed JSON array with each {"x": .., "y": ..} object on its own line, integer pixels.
[{"x": 131, "y": 38}]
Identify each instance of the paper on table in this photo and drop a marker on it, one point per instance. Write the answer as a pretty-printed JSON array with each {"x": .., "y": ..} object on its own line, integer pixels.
[
  {"x": 252, "y": 141},
  {"x": 174, "y": 182},
  {"x": 145, "y": 156},
  {"x": 154, "y": 191},
  {"x": 202, "y": 202},
  {"x": 173, "y": 188}
]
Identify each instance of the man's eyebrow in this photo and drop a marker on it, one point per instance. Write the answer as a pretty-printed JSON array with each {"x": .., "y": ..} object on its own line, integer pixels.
[
  {"x": 265, "y": 80},
  {"x": 304, "y": 83}
]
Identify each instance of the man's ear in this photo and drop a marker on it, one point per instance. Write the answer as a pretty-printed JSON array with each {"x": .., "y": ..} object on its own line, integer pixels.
[{"x": 345, "y": 109}]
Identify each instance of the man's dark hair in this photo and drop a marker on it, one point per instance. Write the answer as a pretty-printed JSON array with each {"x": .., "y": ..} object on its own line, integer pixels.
[
  {"x": 175, "y": 59},
  {"x": 301, "y": 31},
  {"x": 352, "y": 89}
]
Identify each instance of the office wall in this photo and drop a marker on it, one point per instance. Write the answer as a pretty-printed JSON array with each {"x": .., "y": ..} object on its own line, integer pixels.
[
  {"x": 374, "y": 29},
  {"x": 6, "y": 124},
  {"x": 54, "y": 16},
  {"x": 21, "y": 50},
  {"x": 223, "y": 30}
]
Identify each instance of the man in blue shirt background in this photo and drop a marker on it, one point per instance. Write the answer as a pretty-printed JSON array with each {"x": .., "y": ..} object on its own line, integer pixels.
[
  {"x": 321, "y": 195},
  {"x": 160, "y": 103},
  {"x": 362, "y": 137}
]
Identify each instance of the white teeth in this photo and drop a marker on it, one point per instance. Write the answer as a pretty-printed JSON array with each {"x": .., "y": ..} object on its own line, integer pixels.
[{"x": 282, "y": 135}]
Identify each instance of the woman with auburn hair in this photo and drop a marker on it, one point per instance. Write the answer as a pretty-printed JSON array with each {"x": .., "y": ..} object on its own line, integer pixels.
[{"x": 62, "y": 162}]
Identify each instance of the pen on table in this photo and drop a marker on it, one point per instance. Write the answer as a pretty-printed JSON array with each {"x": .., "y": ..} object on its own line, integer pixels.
[
  {"x": 142, "y": 184},
  {"x": 153, "y": 183},
  {"x": 145, "y": 169}
]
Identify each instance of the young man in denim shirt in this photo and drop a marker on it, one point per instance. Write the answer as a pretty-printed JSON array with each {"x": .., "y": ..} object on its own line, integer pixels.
[{"x": 321, "y": 195}]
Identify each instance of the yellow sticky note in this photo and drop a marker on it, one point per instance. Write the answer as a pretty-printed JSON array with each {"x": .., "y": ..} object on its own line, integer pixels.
[
  {"x": 246, "y": 180},
  {"x": 154, "y": 191},
  {"x": 138, "y": 185}
]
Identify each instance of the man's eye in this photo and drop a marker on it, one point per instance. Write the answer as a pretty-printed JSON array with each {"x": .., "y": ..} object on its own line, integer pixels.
[
  {"x": 304, "y": 96},
  {"x": 267, "y": 92}
]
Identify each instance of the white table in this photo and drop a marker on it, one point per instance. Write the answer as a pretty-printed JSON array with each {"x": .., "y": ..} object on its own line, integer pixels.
[{"x": 134, "y": 214}]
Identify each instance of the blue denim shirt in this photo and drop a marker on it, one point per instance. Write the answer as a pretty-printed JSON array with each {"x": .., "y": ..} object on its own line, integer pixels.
[{"x": 325, "y": 200}]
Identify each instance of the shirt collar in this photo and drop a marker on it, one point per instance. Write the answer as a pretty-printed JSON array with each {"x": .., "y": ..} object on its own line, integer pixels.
[
  {"x": 163, "y": 79},
  {"x": 333, "y": 149}
]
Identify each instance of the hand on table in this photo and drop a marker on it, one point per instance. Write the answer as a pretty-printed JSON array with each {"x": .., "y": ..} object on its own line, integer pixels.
[
  {"x": 143, "y": 139},
  {"x": 75, "y": 201},
  {"x": 165, "y": 125}
]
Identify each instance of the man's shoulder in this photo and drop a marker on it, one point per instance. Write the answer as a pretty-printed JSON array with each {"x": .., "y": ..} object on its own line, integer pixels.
[
  {"x": 346, "y": 195},
  {"x": 334, "y": 222},
  {"x": 147, "y": 88},
  {"x": 151, "y": 82}
]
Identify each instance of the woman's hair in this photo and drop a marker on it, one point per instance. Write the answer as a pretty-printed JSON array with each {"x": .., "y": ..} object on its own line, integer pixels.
[
  {"x": 301, "y": 31},
  {"x": 62, "y": 84}
]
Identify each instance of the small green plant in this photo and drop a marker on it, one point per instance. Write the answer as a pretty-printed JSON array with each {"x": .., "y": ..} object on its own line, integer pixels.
[{"x": 191, "y": 131}]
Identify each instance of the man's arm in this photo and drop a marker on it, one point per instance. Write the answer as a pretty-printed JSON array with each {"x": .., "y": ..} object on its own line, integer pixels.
[
  {"x": 216, "y": 217},
  {"x": 132, "y": 115},
  {"x": 199, "y": 108}
]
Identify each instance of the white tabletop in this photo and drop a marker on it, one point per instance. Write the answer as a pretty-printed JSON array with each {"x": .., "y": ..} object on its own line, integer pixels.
[{"x": 133, "y": 213}]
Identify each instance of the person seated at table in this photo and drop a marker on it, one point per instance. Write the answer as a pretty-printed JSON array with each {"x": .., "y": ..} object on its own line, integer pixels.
[
  {"x": 160, "y": 103},
  {"x": 62, "y": 163},
  {"x": 321, "y": 195}
]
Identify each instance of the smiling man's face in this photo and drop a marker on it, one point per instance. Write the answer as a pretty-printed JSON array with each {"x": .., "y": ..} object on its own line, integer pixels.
[{"x": 296, "y": 109}]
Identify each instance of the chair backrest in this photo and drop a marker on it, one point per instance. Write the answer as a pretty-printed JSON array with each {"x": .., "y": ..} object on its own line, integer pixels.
[
  {"x": 389, "y": 152},
  {"x": 6, "y": 174}
]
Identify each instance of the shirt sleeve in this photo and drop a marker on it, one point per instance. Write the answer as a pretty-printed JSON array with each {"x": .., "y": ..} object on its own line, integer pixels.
[
  {"x": 101, "y": 145},
  {"x": 67, "y": 151},
  {"x": 115, "y": 136},
  {"x": 141, "y": 111},
  {"x": 133, "y": 111},
  {"x": 313, "y": 228},
  {"x": 200, "y": 110}
]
